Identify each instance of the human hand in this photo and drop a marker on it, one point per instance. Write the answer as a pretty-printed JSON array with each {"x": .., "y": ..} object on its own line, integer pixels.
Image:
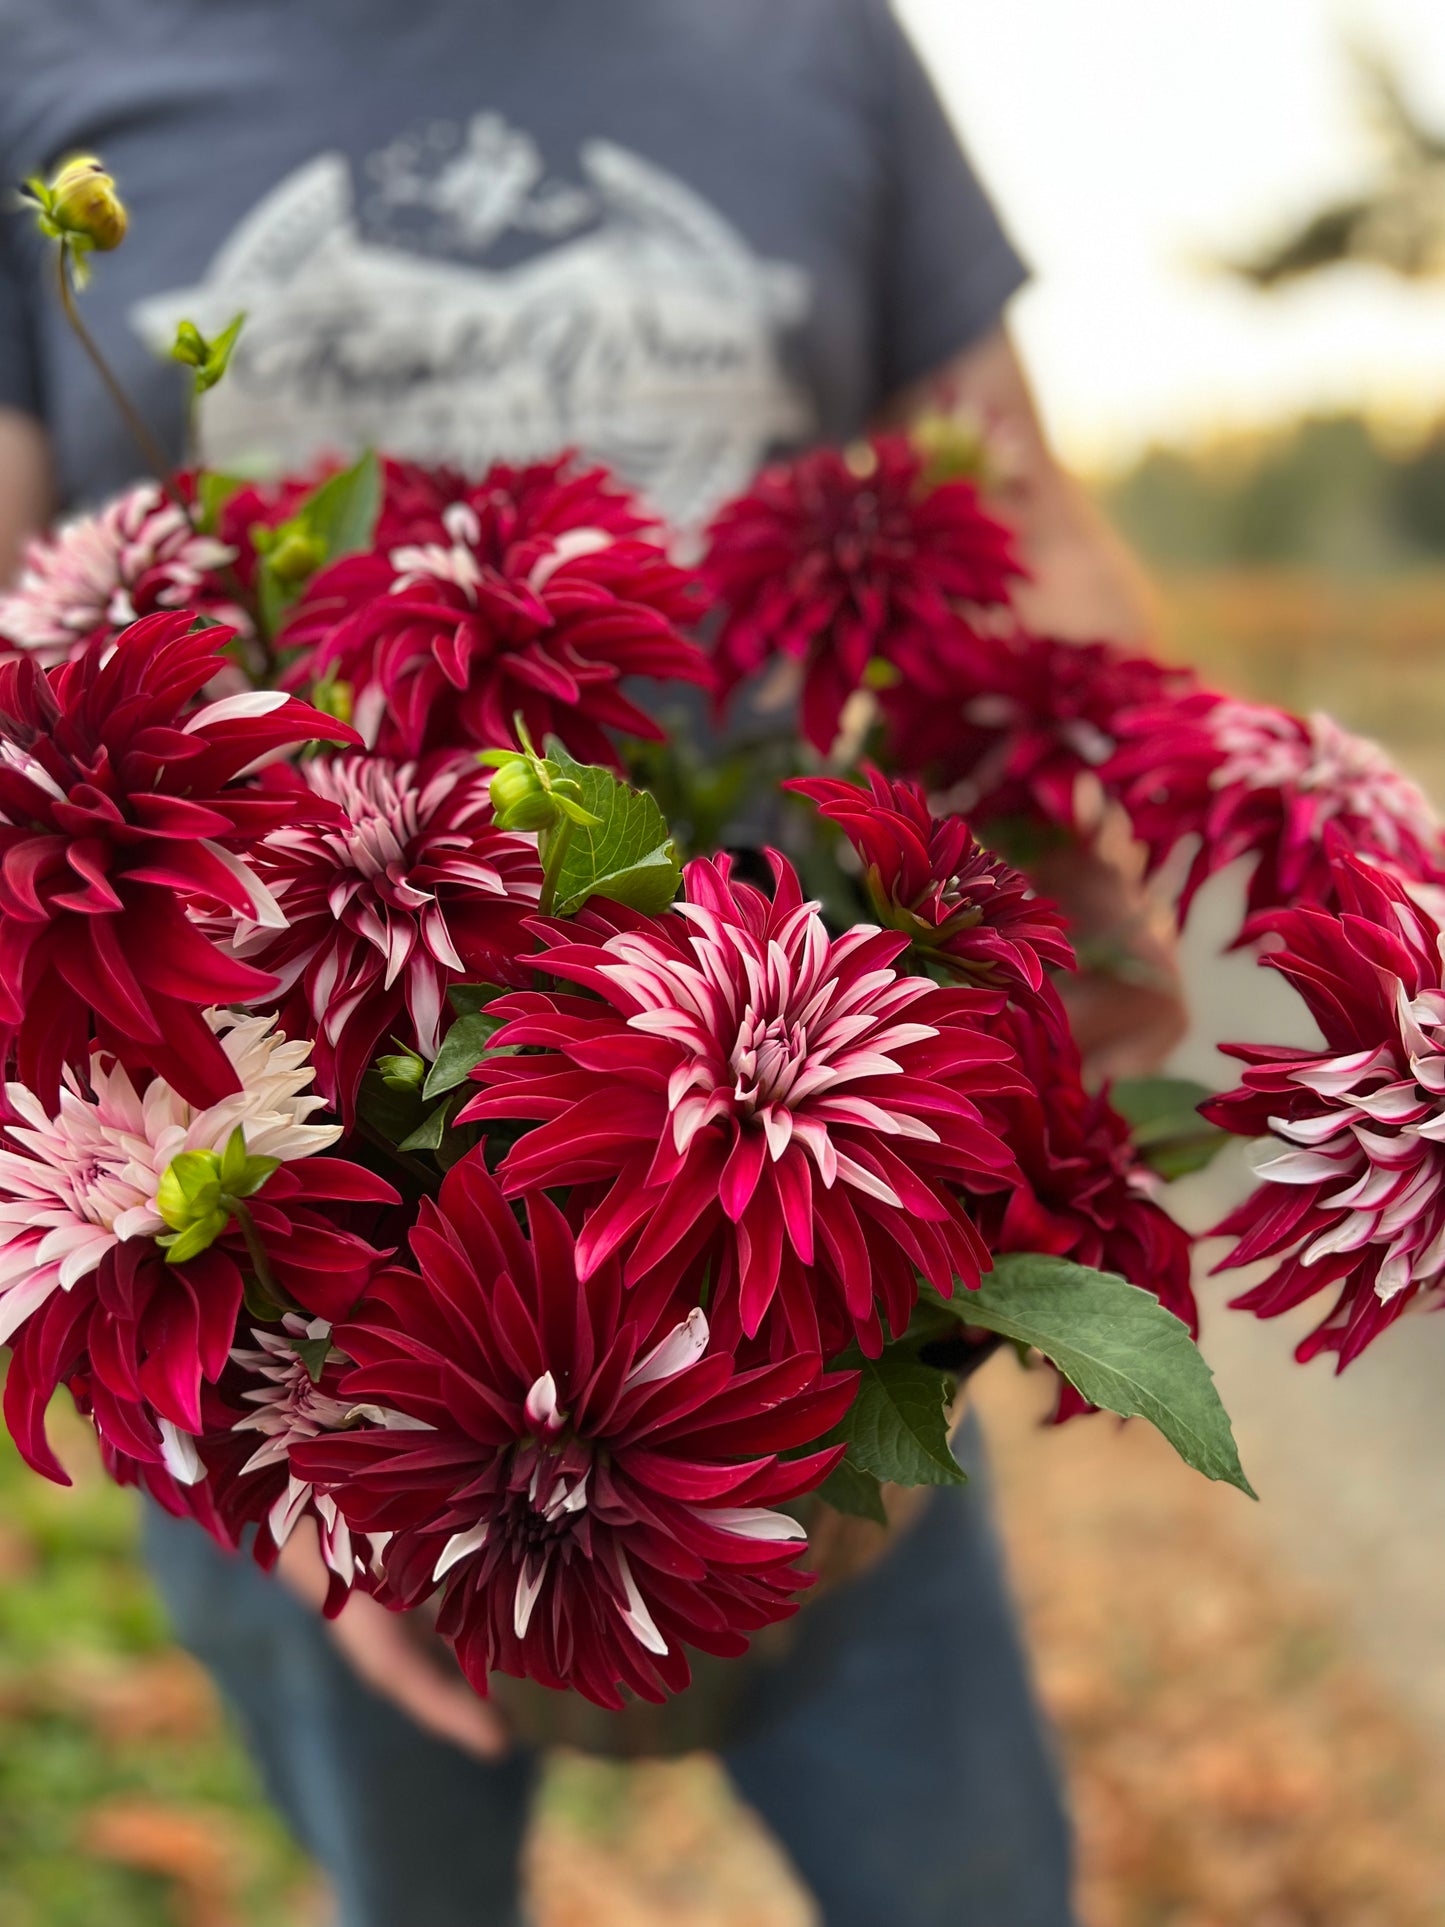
[{"x": 397, "y": 1655}]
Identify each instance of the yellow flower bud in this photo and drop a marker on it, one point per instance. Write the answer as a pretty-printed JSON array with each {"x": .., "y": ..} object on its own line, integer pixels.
[
  {"x": 954, "y": 448},
  {"x": 82, "y": 203}
]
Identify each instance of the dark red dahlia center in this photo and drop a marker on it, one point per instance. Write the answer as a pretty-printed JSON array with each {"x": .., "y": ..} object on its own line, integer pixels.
[{"x": 766, "y": 1059}]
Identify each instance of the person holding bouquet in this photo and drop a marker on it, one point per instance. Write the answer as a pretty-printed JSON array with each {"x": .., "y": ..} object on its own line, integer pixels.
[{"x": 683, "y": 240}]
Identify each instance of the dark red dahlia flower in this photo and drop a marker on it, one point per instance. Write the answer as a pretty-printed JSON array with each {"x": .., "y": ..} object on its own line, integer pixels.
[
  {"x": 596, "y": 1489},
  {"x": 840, "y": 558},
  {"x": 1085, "y": 1193},
  {"x": 1020, "y": 726},
  {"x": 410, "y": 888},
  {"x": 741, "y": 1083},
  {"x": 1352, "y": 1198},
  {"x": 120, "y": 809},
  {"x": 444, "y": 642},
  {"x": 966, "y": 912},
  {"x": 1249, "y": 780},
  {"x": 512, "y": 503}
]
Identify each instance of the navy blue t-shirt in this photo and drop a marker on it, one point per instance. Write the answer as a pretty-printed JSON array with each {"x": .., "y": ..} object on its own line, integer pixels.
[{"x": 681, "y": 234}]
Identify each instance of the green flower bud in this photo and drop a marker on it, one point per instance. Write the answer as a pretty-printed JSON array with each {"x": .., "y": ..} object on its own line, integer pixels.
[
  {"x": 404, "y": 1072},
  {"x": 954, "y": 448},
  {"x": 521, "y": 797},
  {"x": 295, "y": 555}
]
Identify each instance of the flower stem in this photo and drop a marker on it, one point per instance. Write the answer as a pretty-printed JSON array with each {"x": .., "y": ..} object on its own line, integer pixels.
[
  {"x": 552, "y": 864},
  {"x": 256, "y": 1251},
  {"x": 155, "y": 461}
]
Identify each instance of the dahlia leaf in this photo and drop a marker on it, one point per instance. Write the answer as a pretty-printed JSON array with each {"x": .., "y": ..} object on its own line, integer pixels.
[
  {"x": 429, "y": 1133},
  {"x": 394, "y": 1113},
  {"x": 343, "y": 511},
  {"x": 467, "y": 999},
  {"x": 1169, "y": 1134},
  {"x": 1117, "y": 1346},
  {"x": 848, "y": 1488},
  {"x": 462, "y": 1049},
  {"x": 897, "y": 1425},
  {"x": 625, "y": 854}
]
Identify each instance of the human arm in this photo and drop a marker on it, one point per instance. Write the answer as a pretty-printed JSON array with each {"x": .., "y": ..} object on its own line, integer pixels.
[
  {"x": 1126, "y": 1000},
  {"x": 26, "y": 502}
]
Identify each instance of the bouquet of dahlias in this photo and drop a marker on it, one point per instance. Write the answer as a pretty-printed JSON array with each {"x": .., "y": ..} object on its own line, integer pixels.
[{"x": 420, "y": 1132}]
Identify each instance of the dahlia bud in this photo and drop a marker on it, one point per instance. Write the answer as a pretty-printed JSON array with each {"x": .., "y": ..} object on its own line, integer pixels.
[
  {"x": 530, "y": 792},
  {"x": 81, "y": 205},
  {"x": 200, "y": 1190},
  {"x": 520, "y": 799},
  {"x": 406, "y": 1071},
  {"x": 954, "y": 448},
  {"x": 292, "y": 554}
]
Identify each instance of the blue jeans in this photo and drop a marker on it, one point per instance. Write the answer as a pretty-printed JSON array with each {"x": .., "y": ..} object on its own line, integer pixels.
[{"x": 903, "y": 1766}]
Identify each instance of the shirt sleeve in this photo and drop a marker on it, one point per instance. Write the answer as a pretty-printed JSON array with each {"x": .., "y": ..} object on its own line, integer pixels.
[
  {"x": 946, "y": 266},
  {"x": 19, "y": 363}
]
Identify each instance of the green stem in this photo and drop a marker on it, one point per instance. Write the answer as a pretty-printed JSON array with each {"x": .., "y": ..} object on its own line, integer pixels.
[
  {"x": 256, "y": 1251},
  {"x": 557, "y": 844},
  {"x": 414, "y": 1167},
  {"x": 155, "y": 461}
]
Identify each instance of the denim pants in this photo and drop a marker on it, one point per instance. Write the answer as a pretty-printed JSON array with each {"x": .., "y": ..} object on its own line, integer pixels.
[{"x": 903, "y": 1766}]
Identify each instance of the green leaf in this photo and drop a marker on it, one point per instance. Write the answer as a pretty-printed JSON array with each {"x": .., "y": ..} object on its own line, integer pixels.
[
  {"x": 467, "y": 999},
  {"x": 344, "y": 509},
  {"x": 1117, "y": 1345},
  {"x": 464, "y": 1046},
  {"x": 431, "y": 1132},
  {"x": 848, "y": 1488},
  {"x": 626, "y": 855},
  {"x": 391, "y": 1112},
  {"x": 1169, "y": 1134},
  {"x": 897, "y": 1426}
]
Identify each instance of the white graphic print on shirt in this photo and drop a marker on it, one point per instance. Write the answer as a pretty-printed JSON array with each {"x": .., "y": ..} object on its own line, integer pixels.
[{"x": 644, "y": 330}]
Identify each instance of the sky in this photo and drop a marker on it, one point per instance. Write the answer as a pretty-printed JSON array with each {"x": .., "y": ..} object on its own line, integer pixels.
[{"x": 1130, "y": 142}]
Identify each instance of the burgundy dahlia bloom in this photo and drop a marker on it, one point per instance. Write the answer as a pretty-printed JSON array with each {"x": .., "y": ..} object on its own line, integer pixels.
[
  {"x": 740, "y": 1083},
  {"x": 445, "y": 641},
  {"x": 119, "y": 809},
  {"x": 407, "y": 888},
  {"x": 1352, "y": 1167},
  {"x": 966, "y": 912},
  {"x": 97, "y": 574},
  {"x": 596, "y": 1488},
  {"x": 512, "y": 503},
  {"x": 840, "y": 558},
  {"x": 1249, "y": 780},
  {"x": 1020, "y": 726},
  {"x": 1085, "y": 1194}
]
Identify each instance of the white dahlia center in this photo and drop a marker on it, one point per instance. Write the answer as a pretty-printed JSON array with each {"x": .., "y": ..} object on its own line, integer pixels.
[{"x": 767, "y": 1060}]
